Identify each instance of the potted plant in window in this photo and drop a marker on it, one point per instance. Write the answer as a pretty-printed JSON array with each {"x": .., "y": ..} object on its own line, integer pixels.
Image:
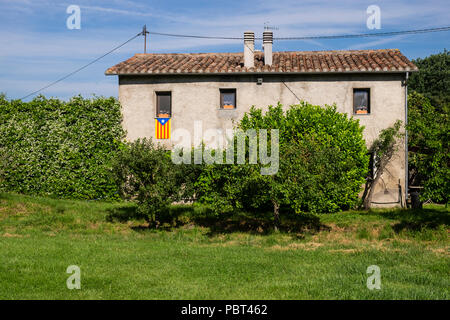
[{"x": 361, "y": 110}]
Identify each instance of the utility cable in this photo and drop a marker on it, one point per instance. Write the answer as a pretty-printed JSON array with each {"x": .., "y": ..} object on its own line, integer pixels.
[
  {"x": 81, "y": 68},
  {"x": 344, "y": 36}
]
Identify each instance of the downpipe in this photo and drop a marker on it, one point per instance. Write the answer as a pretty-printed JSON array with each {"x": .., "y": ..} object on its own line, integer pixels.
[{"x": 406, "y": 141}]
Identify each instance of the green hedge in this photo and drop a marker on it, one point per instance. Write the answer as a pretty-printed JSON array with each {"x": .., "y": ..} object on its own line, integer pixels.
[{"x": 62, "y": 149}]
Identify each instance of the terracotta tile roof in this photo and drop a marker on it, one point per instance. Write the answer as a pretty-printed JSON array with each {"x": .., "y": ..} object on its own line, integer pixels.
[{"x": 387, "y": 60}]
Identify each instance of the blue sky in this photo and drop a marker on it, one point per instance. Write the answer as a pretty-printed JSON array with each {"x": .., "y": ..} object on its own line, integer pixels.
[{"x": 37, "y": 47}]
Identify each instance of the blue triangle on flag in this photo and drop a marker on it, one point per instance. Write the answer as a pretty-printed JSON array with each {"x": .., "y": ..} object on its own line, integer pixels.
[{"x": 163, "y": 120}]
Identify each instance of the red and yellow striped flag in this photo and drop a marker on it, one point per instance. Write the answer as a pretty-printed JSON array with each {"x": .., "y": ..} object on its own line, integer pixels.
[{"x": 162, "y": 128}]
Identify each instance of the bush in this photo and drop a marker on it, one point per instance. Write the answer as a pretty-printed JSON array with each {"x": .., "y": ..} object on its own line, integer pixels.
[
  {"x": 145, "y": 172},
  {"x": 322, "y": 164},
  {"x": 58, "y": 148},
  {"x": 429, "y": 152}
]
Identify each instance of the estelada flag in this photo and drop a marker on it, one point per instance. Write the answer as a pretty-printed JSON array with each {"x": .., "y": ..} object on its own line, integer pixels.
[{"x": 162, "y": 128}]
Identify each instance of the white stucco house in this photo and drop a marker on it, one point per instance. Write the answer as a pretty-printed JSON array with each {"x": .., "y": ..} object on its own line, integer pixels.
[{"x": 217, "y": 88}]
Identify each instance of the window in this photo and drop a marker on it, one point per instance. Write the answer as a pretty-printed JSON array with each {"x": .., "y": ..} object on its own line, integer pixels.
[
  {"x": 163, "y": 104},
  {"x": 361, "y": 101},
  {"x": 228, "y": 98}
]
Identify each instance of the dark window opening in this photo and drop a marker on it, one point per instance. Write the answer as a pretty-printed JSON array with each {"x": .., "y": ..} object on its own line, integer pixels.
[
  {"x": 361, "y": 101},
  {"x": 163, "y": 104},
  {"x": 228, "y": 98}
]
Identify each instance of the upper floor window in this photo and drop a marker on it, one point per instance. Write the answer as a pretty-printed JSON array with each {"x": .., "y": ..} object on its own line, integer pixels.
[
  {"x": 228, "y": 98},
  {"x": 361, "y": 101},
  {"x": 164, "y": 104}
]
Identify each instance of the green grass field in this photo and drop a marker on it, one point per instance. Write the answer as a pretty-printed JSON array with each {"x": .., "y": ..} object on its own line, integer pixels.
[{"x": 194, "y": 256}]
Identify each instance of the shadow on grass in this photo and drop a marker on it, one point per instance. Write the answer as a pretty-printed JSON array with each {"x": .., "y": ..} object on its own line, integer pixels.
[
  {"x": 123, "y": 214},
  {"x": 181, "y": 215},
  {"x": 243, "y": 223},
  {"x": 416, "y": 220}
]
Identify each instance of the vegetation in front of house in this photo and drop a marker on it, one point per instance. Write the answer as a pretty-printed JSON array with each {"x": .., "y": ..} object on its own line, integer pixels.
[
  {"x": 428, "y": 127},
  {"x": 383, "y": 150},
  {"x": 429, "y": 148},
  {"x": 322, "y": 164},
  {"x": 195, "y": 255},
  {"x": 62, "y": 149},
  {"x": 145, "y": 172}
]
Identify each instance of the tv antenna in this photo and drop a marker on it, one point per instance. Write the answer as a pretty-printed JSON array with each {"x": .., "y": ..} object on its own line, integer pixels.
[{"x": 268, "y": 27}]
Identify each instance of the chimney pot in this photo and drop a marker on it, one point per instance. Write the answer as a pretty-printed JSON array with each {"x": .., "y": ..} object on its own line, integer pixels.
[
  {"x": 249, "y": 48},
  {"x": 267, "y": 45}
]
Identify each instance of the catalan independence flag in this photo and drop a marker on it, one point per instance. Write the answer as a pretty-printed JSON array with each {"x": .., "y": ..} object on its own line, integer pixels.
[{"x": 162, "y": 128}]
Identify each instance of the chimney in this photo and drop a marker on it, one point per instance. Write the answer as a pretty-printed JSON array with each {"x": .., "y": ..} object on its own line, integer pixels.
[
  {"x": 267, "y": 45},
  {"x": 249, "y": 48}
]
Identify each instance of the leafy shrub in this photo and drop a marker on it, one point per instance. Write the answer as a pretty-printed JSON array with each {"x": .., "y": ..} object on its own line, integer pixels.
[
  {"x": 144, "y": 171},
  {"x": 58, "y": 148},
  {"x": 322, "y": 164},
  {"x": 428, "y": 145}
]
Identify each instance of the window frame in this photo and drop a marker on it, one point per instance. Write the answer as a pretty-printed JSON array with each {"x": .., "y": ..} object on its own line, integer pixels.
[
  {"x": 227, "y": 90},
  {"x": 157, "y": 94},
  {"x": 369, "y": 98}
]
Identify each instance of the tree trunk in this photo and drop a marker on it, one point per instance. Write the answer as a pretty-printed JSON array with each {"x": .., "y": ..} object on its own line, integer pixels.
[
  {"x": 276, "y": 215},
  {"x": 367, "y": 187},
  {"x": 368, "y": 200}
]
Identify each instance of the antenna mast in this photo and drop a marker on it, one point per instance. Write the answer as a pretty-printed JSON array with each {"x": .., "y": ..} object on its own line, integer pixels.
[
  {"x": 144, "y": 33},
  {"x": 268, "y": 27}
]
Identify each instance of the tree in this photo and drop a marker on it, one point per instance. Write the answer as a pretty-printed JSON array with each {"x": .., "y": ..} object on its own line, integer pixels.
[
  {"x": 428, "y": 123},
  {"x": 145, "y": 172},
  {"x": 322, "y": 164},
  {"x": 428, "y": 145},
  {"x": 433, "y": 80},
  {"x": 382, "y": 150}
]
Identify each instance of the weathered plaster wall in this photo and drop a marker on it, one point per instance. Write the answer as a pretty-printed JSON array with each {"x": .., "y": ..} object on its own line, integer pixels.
[{"x": 197, "y": 97}]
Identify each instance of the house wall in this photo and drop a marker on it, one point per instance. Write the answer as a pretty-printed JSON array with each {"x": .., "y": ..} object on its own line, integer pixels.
[{"x": 197, "y": 97}]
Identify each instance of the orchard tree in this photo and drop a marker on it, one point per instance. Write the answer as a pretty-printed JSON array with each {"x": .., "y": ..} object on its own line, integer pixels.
[
  {"x": 428, "y": 145},
  {"x": 383, "y": 150},
  {"x": 322, "y": 164},
  {"x": 144, "y": 172}
]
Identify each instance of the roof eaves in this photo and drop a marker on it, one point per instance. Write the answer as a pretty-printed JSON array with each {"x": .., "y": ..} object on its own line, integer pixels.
[{"x": 262, "y": 72}]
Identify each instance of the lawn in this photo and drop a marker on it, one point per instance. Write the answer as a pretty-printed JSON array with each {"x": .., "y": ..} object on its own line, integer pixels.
[{"x": 195, "y": 256}]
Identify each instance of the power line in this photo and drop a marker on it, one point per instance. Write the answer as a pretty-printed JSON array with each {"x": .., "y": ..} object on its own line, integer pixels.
[
  {"x": 145, "y": 32},
  {"x": 194, "y": 36},
  {"x": 81, "y": 68},
  {"x": 364, "y": 35},
  {"x": 344, "y": 36}
]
